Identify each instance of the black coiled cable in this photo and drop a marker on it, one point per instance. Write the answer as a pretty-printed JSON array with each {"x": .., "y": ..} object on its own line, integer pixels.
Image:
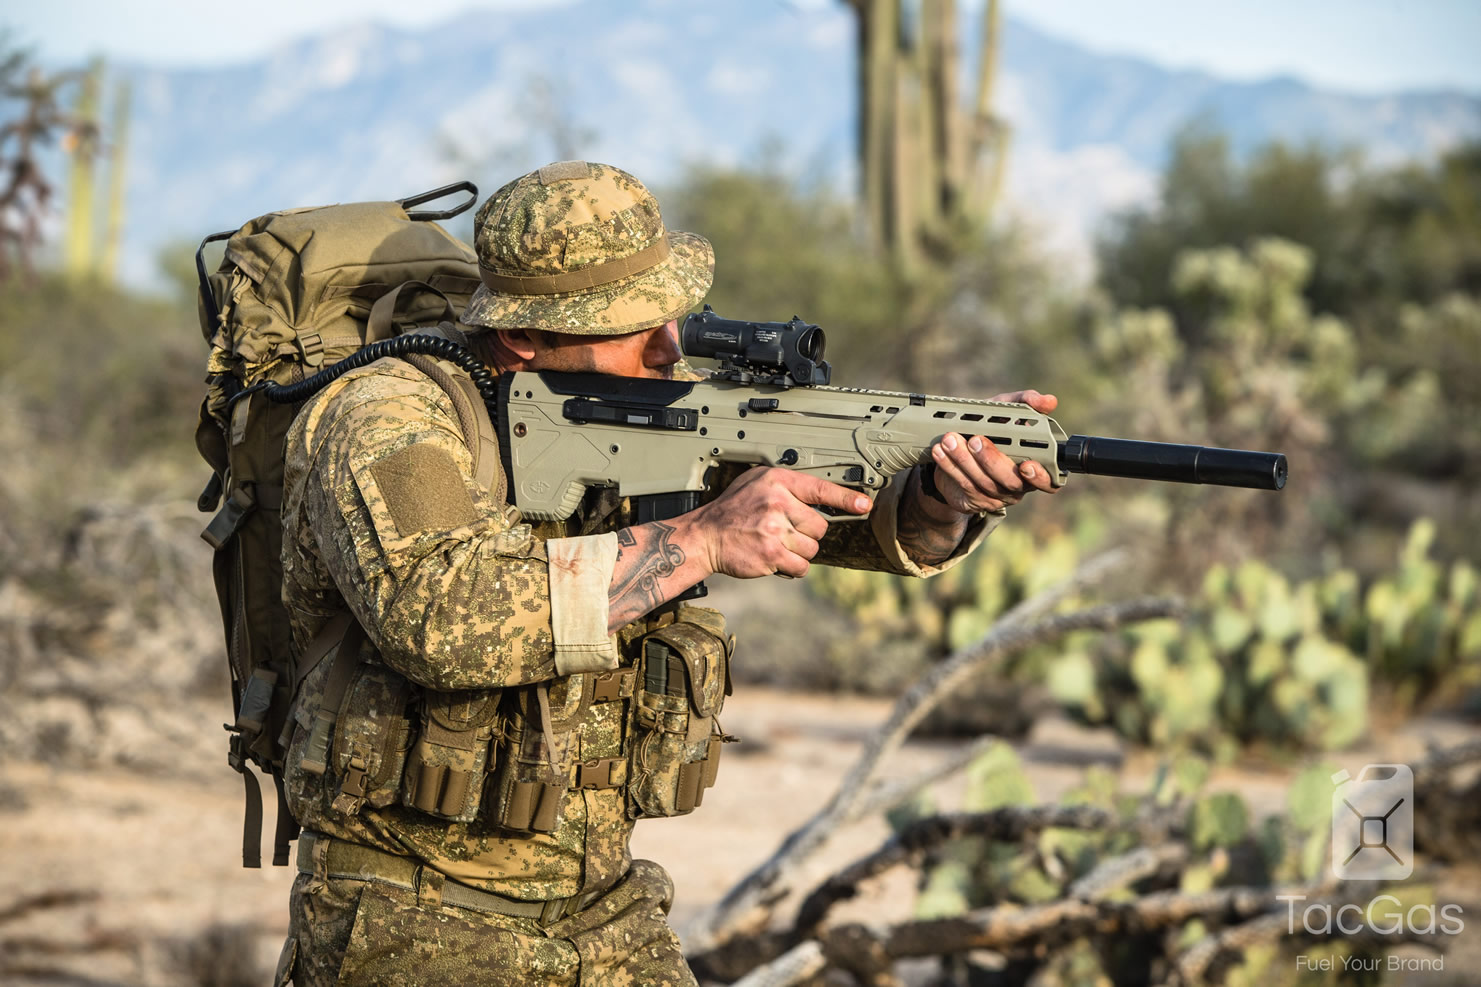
[{"x": 445, "y": 349}]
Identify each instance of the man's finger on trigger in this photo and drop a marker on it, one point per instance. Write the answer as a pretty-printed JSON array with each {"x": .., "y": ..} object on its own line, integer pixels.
[
  {"x": 808, "y": 520},
  {"x": 815, "y": 490}
]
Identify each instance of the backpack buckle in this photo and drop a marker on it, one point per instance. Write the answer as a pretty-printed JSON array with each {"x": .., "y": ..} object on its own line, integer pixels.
[
  {"x": 311, "y": 347},
  {"x": 236, "y": 749},
  {"x": 228, "y": 521}
]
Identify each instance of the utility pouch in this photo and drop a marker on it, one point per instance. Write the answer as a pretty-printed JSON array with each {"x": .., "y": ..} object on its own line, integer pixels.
[
  {"x": 454, "y": 753},
  {"x": 372, "y": 735},
  {"x": 683, "y": 674},
  {"x": 539, "y": 753}
]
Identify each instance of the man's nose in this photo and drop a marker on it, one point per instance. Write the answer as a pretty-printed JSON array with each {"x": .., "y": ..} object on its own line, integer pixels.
[{"x": 663, "y": 347}]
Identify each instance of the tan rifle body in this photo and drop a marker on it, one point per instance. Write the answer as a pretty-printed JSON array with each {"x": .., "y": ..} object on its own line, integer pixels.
[{"x": 567, "y": 432}]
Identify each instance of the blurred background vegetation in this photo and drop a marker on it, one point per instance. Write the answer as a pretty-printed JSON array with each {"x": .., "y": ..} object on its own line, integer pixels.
[
  {"x": 1298, "y": 299},
  {"x": 1346, "y": 333}
]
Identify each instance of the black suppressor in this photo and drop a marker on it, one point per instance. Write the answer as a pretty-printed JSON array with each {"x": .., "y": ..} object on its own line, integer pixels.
[{"x": 1169, "y": 461}]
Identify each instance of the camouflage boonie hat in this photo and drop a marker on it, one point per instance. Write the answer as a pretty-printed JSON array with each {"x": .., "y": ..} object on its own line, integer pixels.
[{"x": 579, "y": 247}]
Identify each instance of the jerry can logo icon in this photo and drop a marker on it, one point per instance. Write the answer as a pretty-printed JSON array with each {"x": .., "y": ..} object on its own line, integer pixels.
[{"x": 1373, "y": 824}]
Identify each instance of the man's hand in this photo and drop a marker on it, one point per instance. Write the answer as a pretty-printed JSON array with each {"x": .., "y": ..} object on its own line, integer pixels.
[
  {"x": 974, "y": 476},
  {"x": 765, "y": 523}
]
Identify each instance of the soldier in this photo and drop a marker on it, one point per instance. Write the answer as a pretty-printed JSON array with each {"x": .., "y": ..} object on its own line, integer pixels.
[{"x": 517, "y": 695}]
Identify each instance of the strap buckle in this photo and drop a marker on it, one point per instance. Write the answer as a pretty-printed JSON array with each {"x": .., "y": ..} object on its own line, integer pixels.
[
  {"x": 311, "y": 347},
  {"x": 603, "y": 772},
  {"x": 617, "y": 684},
  {"x": 228, "y": 521},
  {"x": 558, "y": 908},
  {"x": 236, "y": 750}
]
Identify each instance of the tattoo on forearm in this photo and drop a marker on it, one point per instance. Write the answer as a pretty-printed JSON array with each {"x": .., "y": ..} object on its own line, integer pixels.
[
  {"x": 925, "y": 539},
  {"x": 645, "y": 557}
]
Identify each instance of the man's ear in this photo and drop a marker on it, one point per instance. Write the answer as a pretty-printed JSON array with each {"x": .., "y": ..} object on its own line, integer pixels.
[{"x": 514, "y": 348}]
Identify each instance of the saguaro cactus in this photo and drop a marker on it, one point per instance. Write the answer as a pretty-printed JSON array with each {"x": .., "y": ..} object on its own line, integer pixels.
[
  {"x": 117, "y": 165},
  {"x": 81, "y": 226},
  {"x": 930, "y": 165}
]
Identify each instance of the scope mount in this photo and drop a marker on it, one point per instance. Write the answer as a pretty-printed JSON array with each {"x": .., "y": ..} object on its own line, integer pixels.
[{"x": 781, "y": 354}]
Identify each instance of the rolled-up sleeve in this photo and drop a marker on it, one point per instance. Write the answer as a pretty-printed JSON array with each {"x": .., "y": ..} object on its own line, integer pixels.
[
  {"x": 874, "y": 542},
  {"x": 580, "y": 577}
]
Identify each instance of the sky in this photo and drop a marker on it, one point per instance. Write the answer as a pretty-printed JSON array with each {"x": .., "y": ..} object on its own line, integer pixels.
[{"x": 1353, "y": 45}]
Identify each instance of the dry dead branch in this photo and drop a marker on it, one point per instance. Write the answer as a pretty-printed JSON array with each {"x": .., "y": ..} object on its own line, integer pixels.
[
  {"x": 747, "y": 906},
  {"x": 1120, "y": 872},
  {"x": 884, "y": 796},
  {"x": 1012, "y": 927},
  {"x": 795, "y": 966},
  {"x": 59, "y": 898},
  {"x": 912, "y": 842}
]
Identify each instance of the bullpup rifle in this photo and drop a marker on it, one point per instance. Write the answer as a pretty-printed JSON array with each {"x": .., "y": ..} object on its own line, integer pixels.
[{"x": 770, "y": 404}]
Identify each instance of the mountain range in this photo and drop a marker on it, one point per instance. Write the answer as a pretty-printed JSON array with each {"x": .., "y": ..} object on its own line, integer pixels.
[{"x": 373, "y": 112}]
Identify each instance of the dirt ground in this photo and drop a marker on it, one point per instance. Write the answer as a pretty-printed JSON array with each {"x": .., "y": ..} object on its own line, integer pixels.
[{"x": 134, "y": 878}]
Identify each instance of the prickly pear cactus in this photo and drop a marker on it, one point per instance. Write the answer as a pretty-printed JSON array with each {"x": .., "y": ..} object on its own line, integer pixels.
[
  {"x": 1208, "y": 839},
  {"x": 1253, "y": 662},
  {"x": 901, "y": 624},
  {"x": 1289, "y": 665}
]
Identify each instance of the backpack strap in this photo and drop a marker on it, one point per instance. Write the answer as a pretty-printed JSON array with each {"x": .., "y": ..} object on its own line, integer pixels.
[
  {"x": 473, "y": 416},
  {"x": 316, "y": 753},
  {"x": 286, "y": 828},
  {"x": 380, "y": 324}
]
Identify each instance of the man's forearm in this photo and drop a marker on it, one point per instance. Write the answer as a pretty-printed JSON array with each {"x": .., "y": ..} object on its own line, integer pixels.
[
  {"x": 927, "y": 529},
  {"x": 655, "y": 563}
]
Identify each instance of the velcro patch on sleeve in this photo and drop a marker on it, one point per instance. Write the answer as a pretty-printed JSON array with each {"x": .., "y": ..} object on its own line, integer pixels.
[{"x": 423, "y": 490}]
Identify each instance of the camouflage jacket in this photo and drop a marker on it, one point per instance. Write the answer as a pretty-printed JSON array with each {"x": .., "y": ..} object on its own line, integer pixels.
[{"x": 382, "y": 515}]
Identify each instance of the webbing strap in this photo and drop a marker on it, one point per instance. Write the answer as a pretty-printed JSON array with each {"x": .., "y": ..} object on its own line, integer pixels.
[
  {"x": 486, "y": 462},
  {"x": 328, "y": 858},
  {"x": 473, "y": 421},
  {"x": 286, "y": 830},
  {"x": 542, "y": 699},
  {"x": 343, "y": 669},
  {"x": 378, "y": 325},
  {"x": 251, "y": 820},
  {"x": 329, "y": 635},
  {"x": 315, "y": 758}
]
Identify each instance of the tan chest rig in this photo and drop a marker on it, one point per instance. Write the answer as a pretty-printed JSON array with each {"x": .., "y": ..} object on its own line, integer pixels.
[{"x": 509, "y": 755}]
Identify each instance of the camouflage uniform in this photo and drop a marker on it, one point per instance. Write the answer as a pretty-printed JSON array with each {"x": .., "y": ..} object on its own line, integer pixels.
[{"x": 382, "y": 515}]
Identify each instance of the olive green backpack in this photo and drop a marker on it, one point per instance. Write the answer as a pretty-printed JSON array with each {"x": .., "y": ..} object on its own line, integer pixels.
[{"x": 295, "y": 292}]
